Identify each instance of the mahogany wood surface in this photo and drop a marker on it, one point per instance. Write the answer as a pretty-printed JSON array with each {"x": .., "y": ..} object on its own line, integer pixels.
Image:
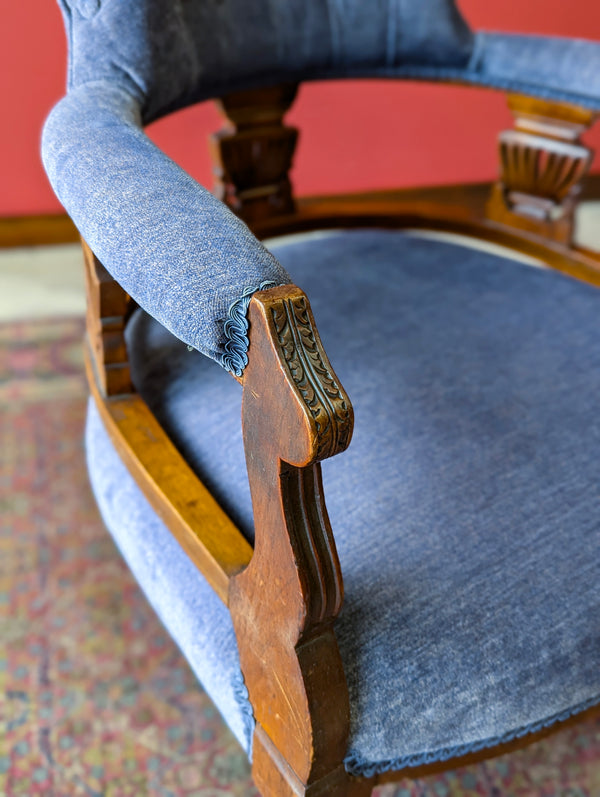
[
  {"x": 253, "y": 153},
  {"x": 39, "y": 230},
  {"x": 294, "y": 414},
  {"x": 285, "y": 595},
  {"x": 542, "y": 163},
  {"x": 108, "y": 307},
  {"x": 179, "y": 498},
  {"x": 455, "y": 209}
]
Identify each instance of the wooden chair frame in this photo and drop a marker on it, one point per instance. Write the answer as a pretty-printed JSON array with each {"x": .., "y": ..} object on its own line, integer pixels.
[{"x": 285, "y": 594}]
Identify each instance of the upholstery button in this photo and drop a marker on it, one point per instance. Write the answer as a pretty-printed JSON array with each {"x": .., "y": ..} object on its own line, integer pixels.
[{"x": 88, "y": 8}]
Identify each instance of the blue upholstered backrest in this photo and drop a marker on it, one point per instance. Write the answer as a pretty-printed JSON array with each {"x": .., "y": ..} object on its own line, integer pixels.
[
  {"x": 174, "y": 52},
  {"x": 178, "y": 251}
]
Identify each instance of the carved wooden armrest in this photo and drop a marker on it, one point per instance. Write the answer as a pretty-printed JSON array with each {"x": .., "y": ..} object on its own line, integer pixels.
[{"x": 294, "y": 413}]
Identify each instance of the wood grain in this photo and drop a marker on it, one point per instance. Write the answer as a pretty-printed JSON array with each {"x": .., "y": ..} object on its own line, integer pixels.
[
  {"x": 455, "y": 209},
  {"x": 294, "y": 413},
  {"x": 252, "y": 155},
  {"x": 108, "y": 308},
  {"x": 178, "y": 497},
  {"x": 285, "y": 595},
  {"x": 542, "y": 164}
]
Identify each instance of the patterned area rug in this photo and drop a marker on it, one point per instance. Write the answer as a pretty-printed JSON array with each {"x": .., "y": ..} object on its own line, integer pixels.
[{"x": 95, "y": 700}]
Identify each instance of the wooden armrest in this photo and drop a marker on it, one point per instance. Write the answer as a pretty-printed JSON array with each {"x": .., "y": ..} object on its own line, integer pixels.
[
  {"x": 208, "y": 536},
  {"x": 294, "y": 414}
]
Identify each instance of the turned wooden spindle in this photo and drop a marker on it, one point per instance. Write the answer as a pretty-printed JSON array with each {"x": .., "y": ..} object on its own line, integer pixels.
[
  {"x": 542, "y": 164},
  {"x": 253, "y": 154}
]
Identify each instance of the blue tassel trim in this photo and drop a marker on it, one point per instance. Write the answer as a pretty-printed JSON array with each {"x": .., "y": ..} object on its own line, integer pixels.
[
  {"x": 235, "y": 358},
  {"x": 240, "y": 692},
  {"x": 356, "y": 765}
]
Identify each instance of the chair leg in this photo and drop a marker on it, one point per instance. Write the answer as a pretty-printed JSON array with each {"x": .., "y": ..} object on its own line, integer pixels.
[{"x": 275, "y": 778}]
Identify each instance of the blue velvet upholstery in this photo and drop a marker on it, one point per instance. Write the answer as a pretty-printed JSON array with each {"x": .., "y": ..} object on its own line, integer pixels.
[
  {"x": 542, "y": 66},
  {"x": 466, "y": 510},
  {"x": 170, "y": 53},
  {"x": 173, "y": 247},
  {"x": 189, "y": 608}
]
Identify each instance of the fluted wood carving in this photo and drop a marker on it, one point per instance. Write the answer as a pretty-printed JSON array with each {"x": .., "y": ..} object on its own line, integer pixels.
[
  {"x": 313, "y": 545},
  {"x": 542, "y": 163},
  {"x": 546, "y": 169}
]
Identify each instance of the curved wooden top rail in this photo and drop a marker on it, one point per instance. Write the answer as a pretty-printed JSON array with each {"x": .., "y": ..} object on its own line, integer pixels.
[{"x": 454, "y": 209}]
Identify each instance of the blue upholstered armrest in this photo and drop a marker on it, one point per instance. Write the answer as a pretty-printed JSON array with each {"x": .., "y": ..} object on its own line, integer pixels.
[
  {"x": 553, "y": 68},
  {"x": 178, "y": 251},
  {"x": 181, "y": 254}
]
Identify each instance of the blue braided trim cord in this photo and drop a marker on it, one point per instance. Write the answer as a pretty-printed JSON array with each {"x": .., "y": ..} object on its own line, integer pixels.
[
  {"x": 235, "y": 358},
  {"x": 356, "y": 765},
  {"x": 242, "y": 698}
]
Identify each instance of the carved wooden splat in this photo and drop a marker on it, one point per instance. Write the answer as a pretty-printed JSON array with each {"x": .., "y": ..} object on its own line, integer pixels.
[
  {"x": 294, "y": 413},
  {"x": 542, "y": 163},
  {"x": 108, "y": 308},
  {"x": 253, "y": 154}
]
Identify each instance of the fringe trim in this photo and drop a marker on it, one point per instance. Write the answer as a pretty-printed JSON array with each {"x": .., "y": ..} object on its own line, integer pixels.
[
  {"x": 235, "y": 358},
  {"x": 240, "y": 693}
]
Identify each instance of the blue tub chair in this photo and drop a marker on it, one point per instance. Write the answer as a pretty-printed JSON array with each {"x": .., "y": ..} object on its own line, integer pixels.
[{"x": 465, "y": 513}]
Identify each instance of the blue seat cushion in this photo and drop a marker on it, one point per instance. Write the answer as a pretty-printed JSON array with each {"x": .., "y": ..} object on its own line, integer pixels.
[{"x": 466, "y": 510}]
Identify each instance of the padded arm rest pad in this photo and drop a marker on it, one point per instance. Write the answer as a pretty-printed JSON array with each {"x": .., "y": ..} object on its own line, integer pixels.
[
  {"x": 553, "y": 68},
  {"x": 178, "y": 251}
]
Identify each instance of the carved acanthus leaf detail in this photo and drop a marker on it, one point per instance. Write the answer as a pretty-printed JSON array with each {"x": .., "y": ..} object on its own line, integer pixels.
[{"x": 312, "y": 376}]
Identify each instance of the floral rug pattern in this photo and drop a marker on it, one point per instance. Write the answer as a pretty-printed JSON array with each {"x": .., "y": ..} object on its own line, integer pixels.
[{"x": 95, "y": 699}]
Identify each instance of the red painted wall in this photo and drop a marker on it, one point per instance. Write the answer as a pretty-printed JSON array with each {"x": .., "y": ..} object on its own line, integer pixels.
[{"x": 354, "y": 134}]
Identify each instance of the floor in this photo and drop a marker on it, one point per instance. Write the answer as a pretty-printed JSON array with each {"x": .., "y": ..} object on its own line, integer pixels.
[
  {"x": 47, "y": 281},
  {"x": 41, "y": 282}
]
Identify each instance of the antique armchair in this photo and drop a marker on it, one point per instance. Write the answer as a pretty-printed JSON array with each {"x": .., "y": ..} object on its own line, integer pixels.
[{"x": 466, "y": 512}]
